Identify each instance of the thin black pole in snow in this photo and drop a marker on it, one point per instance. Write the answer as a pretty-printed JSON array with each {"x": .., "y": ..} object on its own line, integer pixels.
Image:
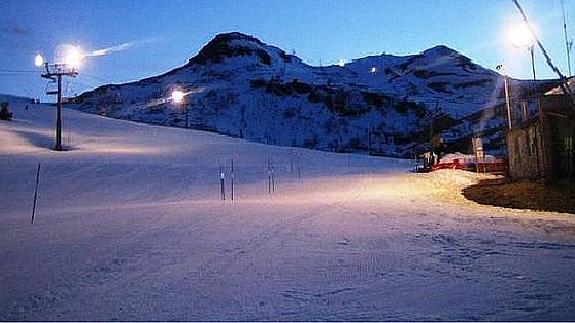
[
  {"x": 298, "y": 167},
  {"x": 223, "y": 186},
  {"x": 273, "y": 178},
  {"x": 35, "y": 195},
  {"x": 269, "y": 177},
  {"x": 232, "y": 178},
  {"x": 222, "y": 183}
]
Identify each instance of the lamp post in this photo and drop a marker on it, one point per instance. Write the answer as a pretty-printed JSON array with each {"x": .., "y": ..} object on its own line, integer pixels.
[
  {"x": 522, "y": 36},
  {"x": 67, "y": 67}
]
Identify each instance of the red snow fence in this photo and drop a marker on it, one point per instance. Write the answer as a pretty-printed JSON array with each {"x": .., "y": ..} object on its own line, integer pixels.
[{"x": 487, "y": 164}]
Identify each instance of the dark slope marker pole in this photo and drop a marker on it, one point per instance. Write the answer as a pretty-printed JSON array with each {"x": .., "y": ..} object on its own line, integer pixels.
[
  {"x": 35, "y": 195},
  {"x": 232, "y": 178},
  {"x": 222, "y": 183}
]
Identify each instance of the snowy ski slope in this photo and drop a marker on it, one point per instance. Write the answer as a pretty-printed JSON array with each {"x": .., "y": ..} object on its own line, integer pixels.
[{"x": 130, "y": 226}]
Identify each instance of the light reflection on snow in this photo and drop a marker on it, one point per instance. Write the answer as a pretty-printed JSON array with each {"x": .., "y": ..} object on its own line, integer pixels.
[{"x": 101, "y": 148}]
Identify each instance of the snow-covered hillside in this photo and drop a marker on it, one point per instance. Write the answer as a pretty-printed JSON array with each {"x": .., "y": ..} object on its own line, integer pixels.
[
  {"x": 15, "y": 99},
  {"x": 241, "y": 87},
  {"x": 129, "y": 226}
]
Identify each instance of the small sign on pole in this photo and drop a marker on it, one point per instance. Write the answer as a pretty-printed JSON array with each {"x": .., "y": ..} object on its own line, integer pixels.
[
  {"x": 223, "y": 186},
  {"x": 478, "y": 150}
]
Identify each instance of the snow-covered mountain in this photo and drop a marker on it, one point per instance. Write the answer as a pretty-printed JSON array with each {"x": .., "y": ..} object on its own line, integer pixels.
[{"x": 390, "y": 105}]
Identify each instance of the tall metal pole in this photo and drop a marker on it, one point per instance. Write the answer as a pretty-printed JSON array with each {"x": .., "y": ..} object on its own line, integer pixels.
[
  {"x": 532, "y": 50},
  {"x": 568, "y": 43},
  {"x": 59, "y": 116},
  {"x": 506, "y": 83},
  {"x": 58, "y": 70}
]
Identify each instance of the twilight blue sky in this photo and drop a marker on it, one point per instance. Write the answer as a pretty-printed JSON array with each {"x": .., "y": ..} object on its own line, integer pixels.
[{"x": 163, "y": 34}]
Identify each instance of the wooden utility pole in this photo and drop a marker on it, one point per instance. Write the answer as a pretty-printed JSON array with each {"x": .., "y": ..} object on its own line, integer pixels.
[{"x": 58, "y": 70}]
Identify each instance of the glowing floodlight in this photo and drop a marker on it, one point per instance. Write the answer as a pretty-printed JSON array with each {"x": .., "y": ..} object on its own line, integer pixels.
[
  {"x": 69, "y": 55},
  {"x": 73, "y": 57},
  {"x": 39, "y": 60},
  {"x": 520, "y": 36},
  {"x": 178, "y": 96}
]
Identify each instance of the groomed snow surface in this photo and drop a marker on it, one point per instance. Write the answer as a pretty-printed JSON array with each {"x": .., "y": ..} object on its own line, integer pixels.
[{"x": 130, "y": 226}]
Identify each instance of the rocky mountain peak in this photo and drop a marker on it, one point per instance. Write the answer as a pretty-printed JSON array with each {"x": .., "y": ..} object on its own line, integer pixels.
[
  {"x": 440, "y": 50},
  {"x": 234, "y": 44}
]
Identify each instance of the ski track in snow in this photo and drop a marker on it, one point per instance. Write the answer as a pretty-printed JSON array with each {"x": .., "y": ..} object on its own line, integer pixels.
[{"x": 129, "y": 226}]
